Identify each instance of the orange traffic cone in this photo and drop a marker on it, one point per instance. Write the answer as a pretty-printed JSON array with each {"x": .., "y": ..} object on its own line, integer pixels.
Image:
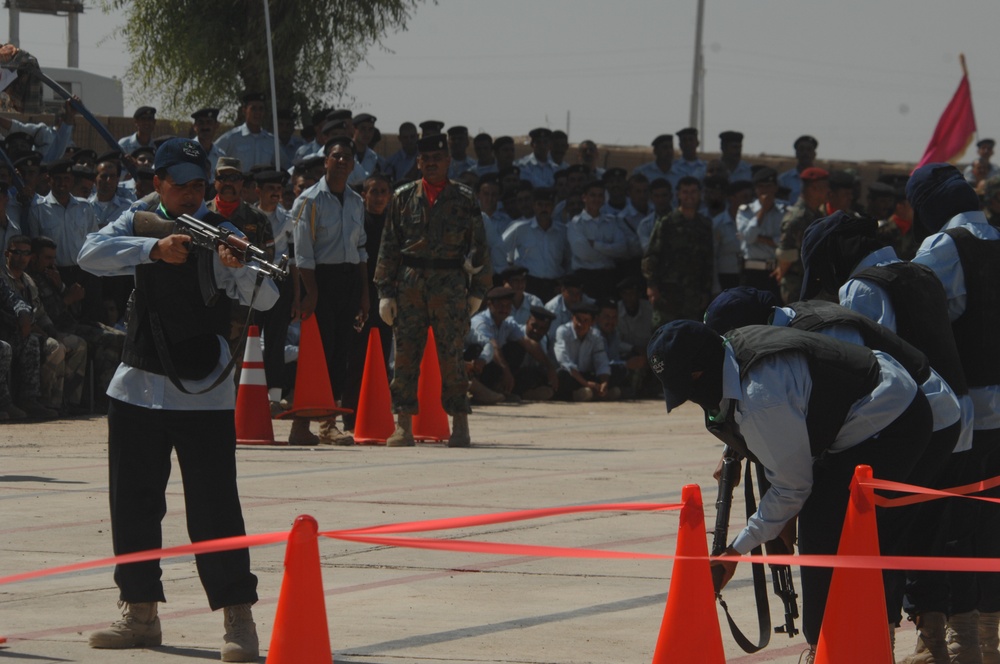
[
  {"x": 374, "y": 422},
  {"x": 253, "y": 414},
  {"x": 300, "y": 634},
  {"x": 431, "y": 423},
  {"x": 855, "y": 626},
  {"x": 313, "y": 394},
  {"x": 690, "y": 630}
]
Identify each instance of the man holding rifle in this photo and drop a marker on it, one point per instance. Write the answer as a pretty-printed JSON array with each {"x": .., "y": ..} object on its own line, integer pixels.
[
  {"x": 172, "y": 392},
  {"x": 806, "y": 408}
]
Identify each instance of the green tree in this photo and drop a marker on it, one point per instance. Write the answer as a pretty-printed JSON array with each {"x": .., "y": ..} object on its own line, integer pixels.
[{"x": 193, "y": 53}]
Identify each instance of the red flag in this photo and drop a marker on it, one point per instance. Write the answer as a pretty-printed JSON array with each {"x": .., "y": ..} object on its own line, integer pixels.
[{"x": 955, "y": 129}]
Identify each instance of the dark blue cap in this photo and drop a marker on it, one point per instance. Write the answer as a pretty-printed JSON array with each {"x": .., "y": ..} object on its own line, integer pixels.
[
  {"x": 677, "y": 350},
  {"x": 739, "y": 307},
  {"x": 183, "y": 159},
  {"x": 818, "y": 262},
  {"x": 937, "y": 193}
]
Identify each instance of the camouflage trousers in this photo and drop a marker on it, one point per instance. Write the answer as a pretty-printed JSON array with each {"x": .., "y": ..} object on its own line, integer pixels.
[
  {"x": 25, "y": 383},
  {"x": 62, "y": 371},
  {"x": 436, "y": 299},
  {"x": 6, "y": 355}
]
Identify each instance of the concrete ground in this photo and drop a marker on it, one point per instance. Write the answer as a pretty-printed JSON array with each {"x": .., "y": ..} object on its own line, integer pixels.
[{"x": 390, "y": 605}]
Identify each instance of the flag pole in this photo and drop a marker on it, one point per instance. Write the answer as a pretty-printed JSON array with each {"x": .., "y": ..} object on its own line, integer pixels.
[
  {"x": 965, "y": 74},
  {"x": 274, "y": 94}
]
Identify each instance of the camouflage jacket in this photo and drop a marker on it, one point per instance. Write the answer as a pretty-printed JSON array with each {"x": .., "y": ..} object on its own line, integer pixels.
[
  {"x": 450, "y": 230},
  {"x": 679, "y": 262}
]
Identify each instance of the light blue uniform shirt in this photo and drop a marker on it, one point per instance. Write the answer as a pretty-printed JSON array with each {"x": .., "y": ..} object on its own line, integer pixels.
[
  {"x": 538, "y": 173},
  {"x": 750, "y": 229},
  {"x": 399, "y": 164},
  {"x": 108, "y": 211},
  {"x": 51, "y": 143},
  {"x": 654, "y": 173},
  {"x": 459, "y": 166},
  {"x": 563, "y": 315},
  {"x": 68, "y": 226},
  {"x": 131, "y": 143},
  {"x": 213, "y": 158},
  {"x": 495, "y": 226},
  {"x": 484, "y": 330},
  {"x": 727, "y": 243},
  {"x": 938, "y": 252},
  {"x": 369, "y": 163},
  {"x": 480, "y": 171},
  {"x": 587, "y": 355},
  {"x": 595, "y": 242},
  {"x": 683, "y": 168},
  {"x": 115, "y": 250},
  {"x": 522, "y": 313},
  {"x": 250, "y": 148},
  {"x": 281, "y": 227},
  {"x": 310, "y": 148},
  {"x": 544, "y": 253},
  {"x": 791, "y": 179},
  {"x": 741, "y": 172},
  {"x": 326, "y": 232},
  {"x": 771, "y": 405},
  {"x": 645, "y": 230}
]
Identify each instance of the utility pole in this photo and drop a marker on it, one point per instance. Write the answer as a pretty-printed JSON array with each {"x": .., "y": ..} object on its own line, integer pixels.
[{"x": 697, "y": 117}]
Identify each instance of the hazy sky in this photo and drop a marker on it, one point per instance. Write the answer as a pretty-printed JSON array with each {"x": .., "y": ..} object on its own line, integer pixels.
[{"x": 868, "y": 78}]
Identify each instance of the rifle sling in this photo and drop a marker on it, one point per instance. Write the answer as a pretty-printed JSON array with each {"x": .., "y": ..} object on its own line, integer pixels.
[{"x": 759, "y": 585}]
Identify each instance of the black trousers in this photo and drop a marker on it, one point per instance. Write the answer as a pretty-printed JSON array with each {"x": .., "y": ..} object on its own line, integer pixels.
[
  {"x": 139, "y": 444},
  {"x": 356, "y": 362},
  {"x": 339, "y": 301},
  {"x": 892, "y": 456},
  {"x": 274, "y": 324}
]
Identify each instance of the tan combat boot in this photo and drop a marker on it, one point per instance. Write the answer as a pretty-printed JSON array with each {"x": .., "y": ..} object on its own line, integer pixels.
[
  {"x": 403, "y": 435},
  {"x": 300, "y": 433},
  {"x": 329, "y": 434},
  {"x": 138, "y": 628},
  {"x": 932, "y": 644},
  {"x": 989, "y": 640},
  {"x": 240, "y": 642},
  {"x": 460, "y": 431},
  {"x": 963, "y": 638}
]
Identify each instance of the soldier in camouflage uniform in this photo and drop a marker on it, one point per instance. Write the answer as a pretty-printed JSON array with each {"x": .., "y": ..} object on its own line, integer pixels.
[
  {"x": 19, "y": 358},
  {"x": 809, "y": 208},
  {"x": 433, "y": 270},
  {"x": 104, "y": 344},
  {"x": 63, "y": 356},
  {"x": 678, "y": 264}
]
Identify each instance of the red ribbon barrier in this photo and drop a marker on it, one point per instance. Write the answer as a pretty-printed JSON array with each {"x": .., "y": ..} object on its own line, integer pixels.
[{"x": 923, "y": 494}]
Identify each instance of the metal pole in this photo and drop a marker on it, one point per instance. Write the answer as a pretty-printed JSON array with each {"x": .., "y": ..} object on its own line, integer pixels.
[
  {"x": 15, "y": 23},
  {"x": 696, "y": 74},
  {"x": 274, "y": 93},
  {"x": 73, "y": 47}
]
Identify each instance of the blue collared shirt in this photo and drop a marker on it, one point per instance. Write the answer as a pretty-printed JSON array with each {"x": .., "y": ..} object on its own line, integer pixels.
[
  {"x": 743, "y": 171},
  {"x": 368, "y": 164},
  {"x": 654, "y": 173},
  {"x": 495, "y": 225},
  {"x": 771, "y": 407},
  {"x": 399, "y": 164},
  {"x": 50, "y": 142},
  {"x": 636, "y": 330},
  {"x": 683, "y": 168},
  {"x": 116, "y": 250},
  {"x": 791, "y": 179},
  {"x": 68, "y": 226},
  {"x": 538, "y": 173},
  {"x": 544, "y": 253},
  {"x": 108, "y": 211},
  {"x": 595, "y": 242},
  {"x": 250, "y": 148},
  {"x": 938, "y": 252},
  {"x": 586, "y": 355},
  {"x": 459, "y": 166},
  {"x": 131, "y": 143},
  {"x": 727, "y": 243},
  {"x": 522, "y": 313},
  {"x": 749, "y": 229},
  {"x": 326, "y": 232},
  {"x": 484, "y": 330},
  {"x": 213, "y": 157},
  {"x": 558, "y": 306}
]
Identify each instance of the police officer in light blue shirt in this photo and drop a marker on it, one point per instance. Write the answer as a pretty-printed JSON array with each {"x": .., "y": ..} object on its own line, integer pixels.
[
  {"x": 805, "y": 157},
  {"x": 366, "y": 162},
  {"x": 107, "y": 204},
  {"x": 485, "y": 161},
  {"x": 145, "y": 123},
  {"x": 539, "y": 245},
  {"x": 661, "y": 168},
  {"x": 402, "y": 164},
  {"x": 250, "y": 142},
  {"x": 458, "y": 145},
  {"x": 688, "y": 164},
  {"x": 731, "y": 146},
  {"x": 206, "y": 123},
  {"x": 536, "y": 167},
  {"x": 759, "y": 228}
]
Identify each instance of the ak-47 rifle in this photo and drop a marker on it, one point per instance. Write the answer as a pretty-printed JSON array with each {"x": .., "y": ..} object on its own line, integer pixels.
[
  {"x": 207, "y": 236},
  {"x": 781, "y": 575}
]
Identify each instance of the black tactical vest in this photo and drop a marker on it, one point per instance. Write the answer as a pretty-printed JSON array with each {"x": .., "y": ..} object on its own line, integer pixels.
[
  {"x": 975, "y": 328},
  {"x": 841, "y": 374},
  {"x": 921, "y": 308}
]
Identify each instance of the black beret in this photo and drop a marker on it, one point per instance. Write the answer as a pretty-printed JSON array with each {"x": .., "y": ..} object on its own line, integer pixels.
[
  {"x": 211, "y": 113},
  {"x": 144, "y": 173},
  {"x": 87, "y": 172},
  {"x": 765, "y": 175},
  {"x": 85, "y": 154},
  {"x": 250, "y": 97},
  {"x": 730, "y": 136},
  {"x": 144, "y": 111},
  {"x": 338, "y": 140},
  {"x": 364, "y": 117},
  {"x": 339, "y": 114},
  {"x": 433, "y": 143},
  {"x": 663, "y": 138},
  {"x": 489, "y": 178},
  {"x": 312, "y": 162},
  {"x": 986, "y": 141},
  {"x": 113, "y": 155},
  {"x": 483, "y": 137},
  {"x": 513, "y": 271},
  {"x": 614, "y": 173},
  {"x": 540, "y": 132},
  {"x": 334, "y": 124},
  {"x": 499, "y": 293},
  {"x": 541, "y": 313},
  {"x": 807, "y": 139},
  {"x": 15, "y": 136},
  {"x": 502, "y": 141},
  {"x": 270, "y": 177},
  {"x": 584, "y": 307},
  {"x": 431, "y": 127},
  {"x": 881, "y": 189},
  {"x": 687, "y": 131},
  {"x": 458, "y": 130},
  {"x": 30, "y": 159},
  {"x": 58, "y": 166}
]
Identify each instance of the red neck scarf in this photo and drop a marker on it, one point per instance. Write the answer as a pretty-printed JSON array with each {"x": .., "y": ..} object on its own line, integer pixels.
[
  {"x": 431, "y": 191},
  {"x": 224, "y": 208},
  {"x": 903, "y": 225}
]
